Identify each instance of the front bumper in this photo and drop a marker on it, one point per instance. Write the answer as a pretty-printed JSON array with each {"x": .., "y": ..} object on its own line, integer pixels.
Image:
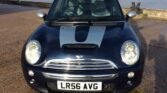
[{"x": 119, "y": 80}]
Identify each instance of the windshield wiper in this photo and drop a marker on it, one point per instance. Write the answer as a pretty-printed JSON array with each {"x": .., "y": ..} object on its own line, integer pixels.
[
  {"x": 67, "y": 19},
  {"x": 71, "y": 20},
  {"x": 61, "y": 19}
]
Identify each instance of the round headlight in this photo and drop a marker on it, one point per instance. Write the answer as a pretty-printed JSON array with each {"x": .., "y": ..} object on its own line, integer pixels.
[
  {"x": 33, "y": 52},
  {"x": 130, "y": 52}
]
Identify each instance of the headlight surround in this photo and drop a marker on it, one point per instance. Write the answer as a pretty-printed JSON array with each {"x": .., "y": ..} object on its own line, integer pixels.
[
  {"x": 33, "y": 52},
  {"x": 130, "y": 52}
]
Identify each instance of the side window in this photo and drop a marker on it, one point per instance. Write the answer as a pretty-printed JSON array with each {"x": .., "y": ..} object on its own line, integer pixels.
[{"x": 116, "y": 9}]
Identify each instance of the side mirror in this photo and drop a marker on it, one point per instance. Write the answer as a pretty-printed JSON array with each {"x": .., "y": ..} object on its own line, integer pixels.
[
  {"x": 131, "y": 14},
  {"x": 41, "y": 15}
]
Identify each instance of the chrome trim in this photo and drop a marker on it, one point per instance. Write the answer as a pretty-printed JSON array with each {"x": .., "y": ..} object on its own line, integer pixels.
[
  {"x": 80, "y": 64},
  {"x": 79, "y": 77},
  {"x": 93, "y": 22}
]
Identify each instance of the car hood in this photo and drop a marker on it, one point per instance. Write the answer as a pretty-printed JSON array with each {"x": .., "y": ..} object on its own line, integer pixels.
[{"x": 85, "y": 42}]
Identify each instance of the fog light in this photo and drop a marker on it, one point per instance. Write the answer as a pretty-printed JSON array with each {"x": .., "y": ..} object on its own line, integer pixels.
[
  {"x": 131, "y": 74},
  {"x": 130, "y": 83},
  {"x": 32, "y": 81},
  {"x": 31, "y": 73}
]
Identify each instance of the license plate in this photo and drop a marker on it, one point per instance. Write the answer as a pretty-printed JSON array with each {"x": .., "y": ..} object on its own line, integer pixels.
[{"x": 79, "y": 86}]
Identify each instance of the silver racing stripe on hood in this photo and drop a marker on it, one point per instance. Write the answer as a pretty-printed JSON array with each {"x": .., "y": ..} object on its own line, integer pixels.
[{"x": 95, "y": 35}]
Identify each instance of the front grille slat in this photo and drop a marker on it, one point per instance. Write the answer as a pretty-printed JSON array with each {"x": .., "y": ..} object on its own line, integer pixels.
[
  {"x": 52, "y": 63},
  {"x": 80, "y": 61},
  {"x": 80, "y": 64},
  {"x": 63, "y": 68},
  {"x": 79, "y": 77}
]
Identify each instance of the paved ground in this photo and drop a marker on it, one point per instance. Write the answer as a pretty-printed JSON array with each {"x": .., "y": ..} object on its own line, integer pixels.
[{"x": 17, "y": 23}]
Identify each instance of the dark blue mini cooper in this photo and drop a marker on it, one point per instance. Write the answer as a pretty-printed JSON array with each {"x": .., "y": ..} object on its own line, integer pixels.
[{"x": 83, "y": 46}]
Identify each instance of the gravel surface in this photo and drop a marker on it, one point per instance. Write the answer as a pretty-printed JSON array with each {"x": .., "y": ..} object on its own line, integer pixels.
[{"x": 17, "y": 23}]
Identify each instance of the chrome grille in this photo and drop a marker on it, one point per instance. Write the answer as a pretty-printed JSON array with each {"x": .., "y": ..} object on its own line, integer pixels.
[{"x": 80, "y": 64}]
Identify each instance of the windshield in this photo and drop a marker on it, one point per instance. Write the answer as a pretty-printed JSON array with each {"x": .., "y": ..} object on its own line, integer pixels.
[{"x": 85, "y": 10}]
